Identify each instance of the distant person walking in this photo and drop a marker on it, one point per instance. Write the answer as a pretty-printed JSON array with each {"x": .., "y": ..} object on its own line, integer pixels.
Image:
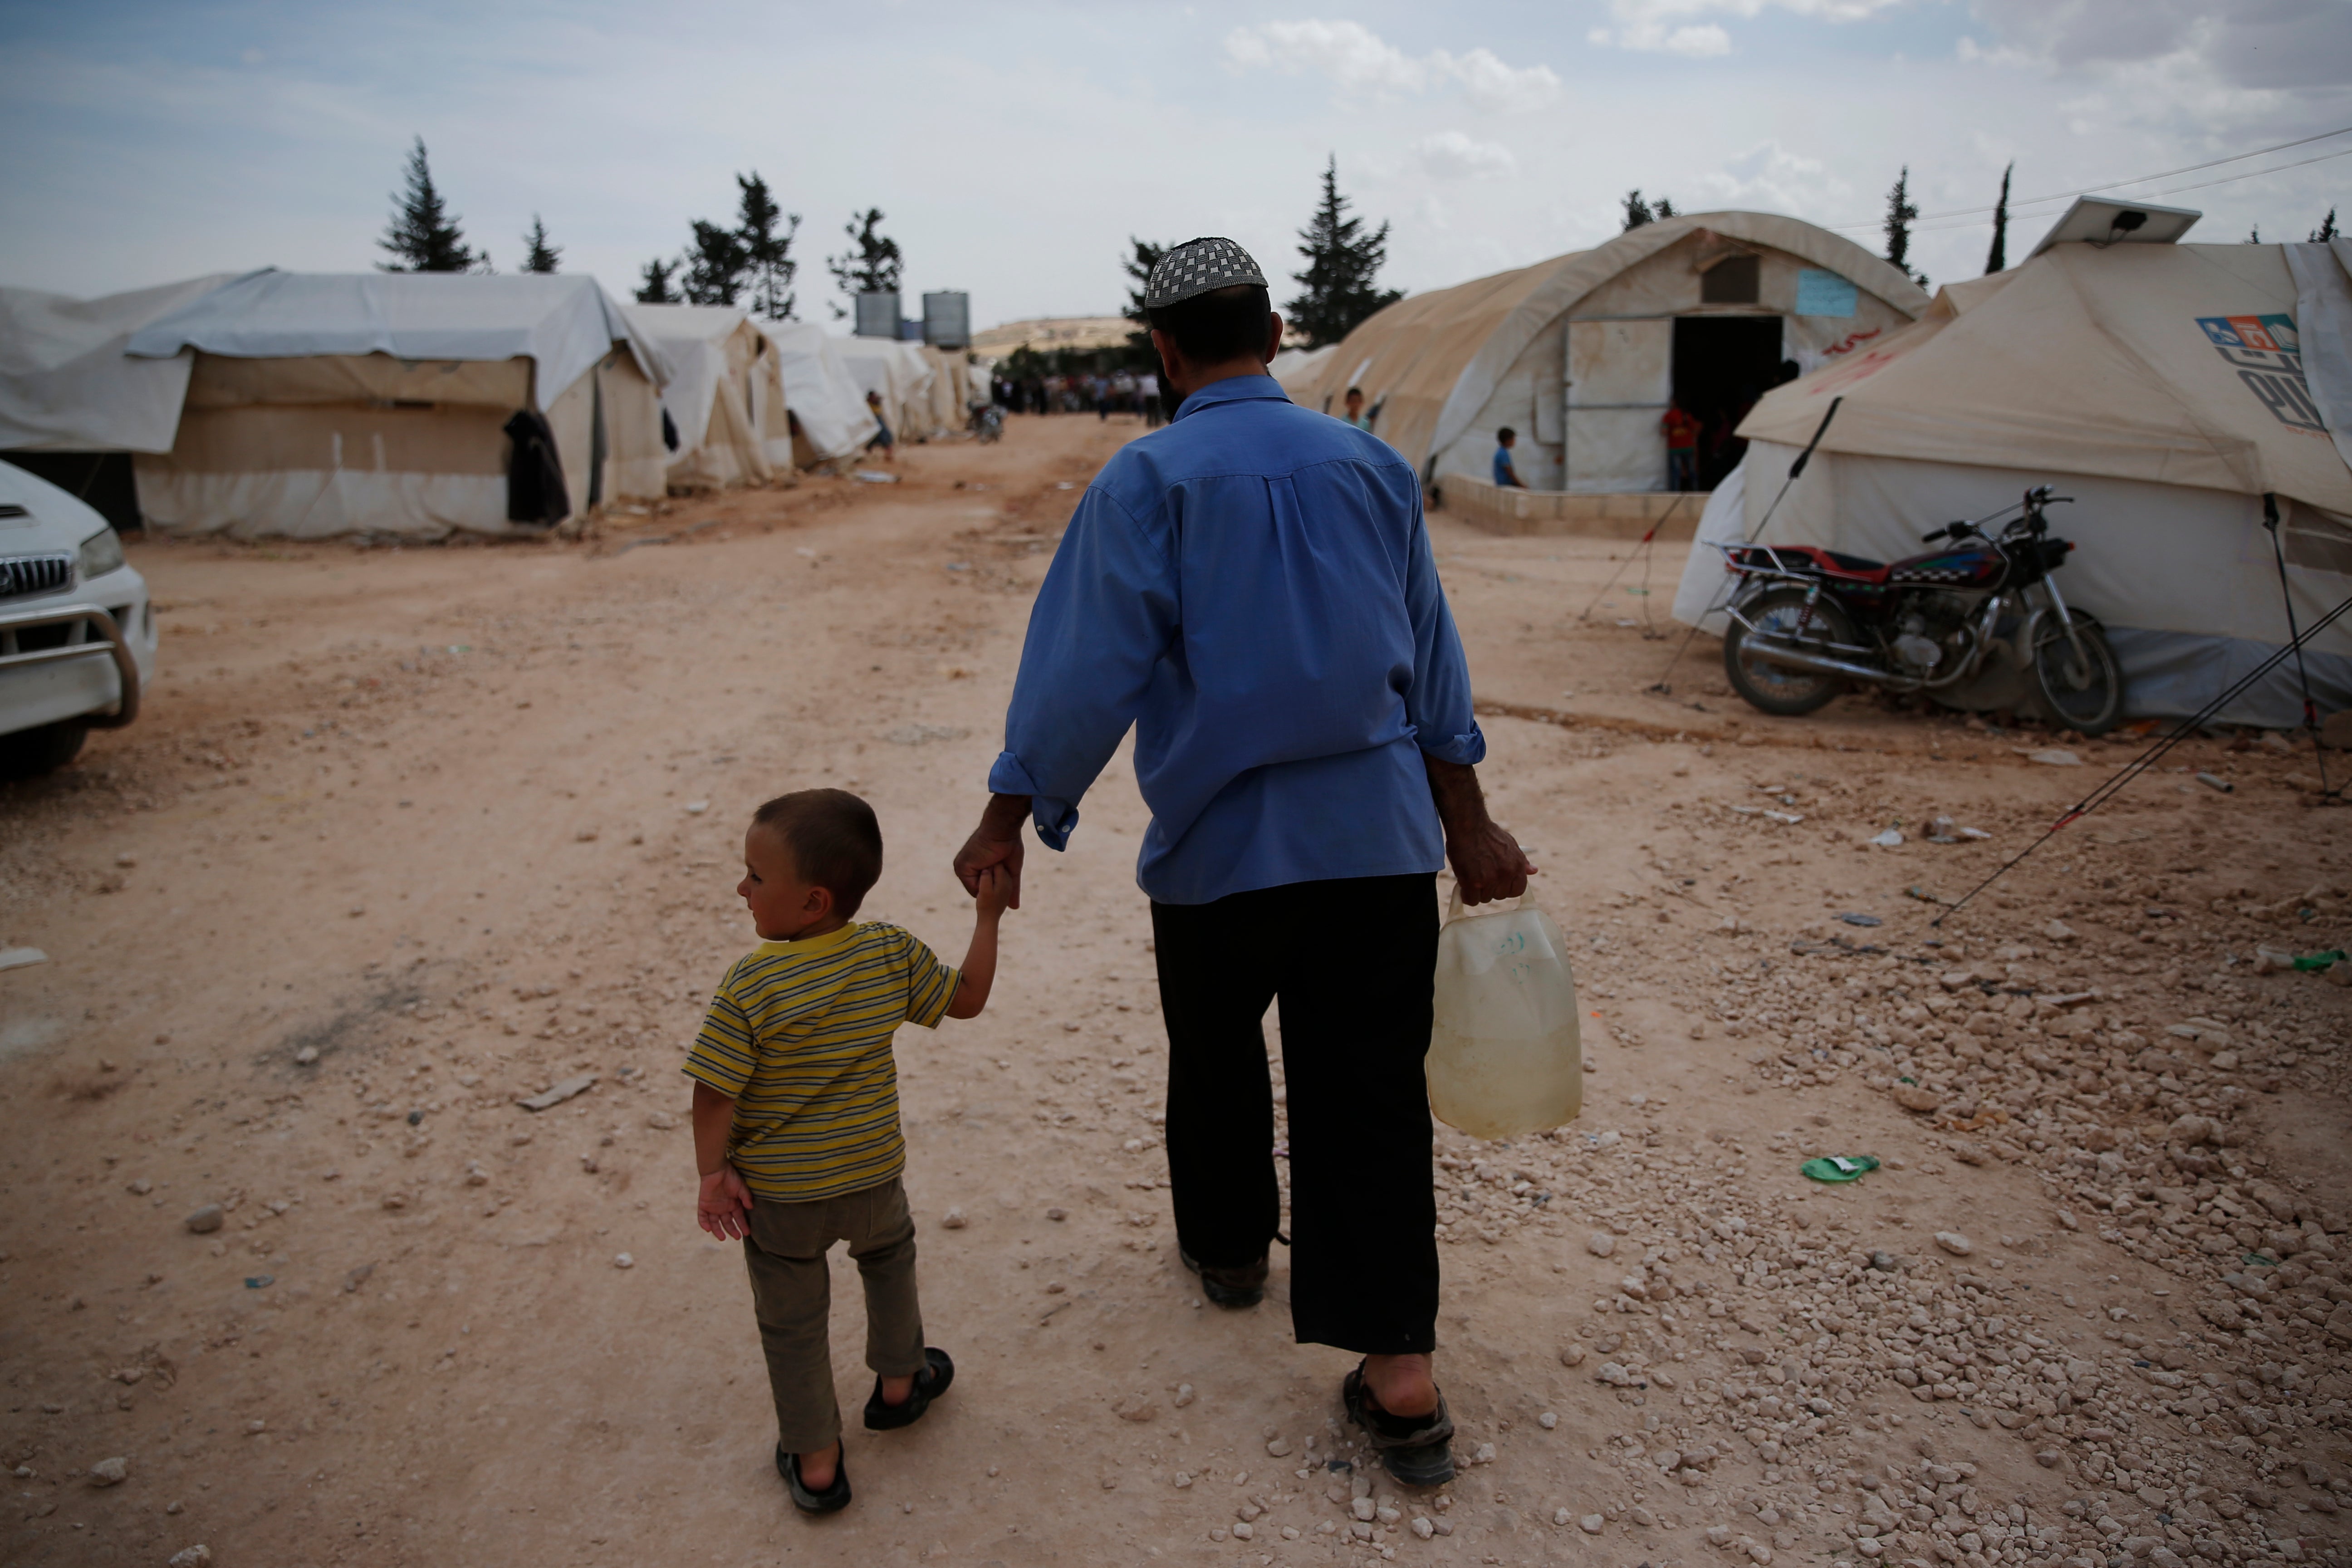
[
  {"x": 1506, "y": 473},
  {"x": 1682, "y": 448},
  {"x": 1147, "y": 388},
  {"x": 882, "y": 436}
]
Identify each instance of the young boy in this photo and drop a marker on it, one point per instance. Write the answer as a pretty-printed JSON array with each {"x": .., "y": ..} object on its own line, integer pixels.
[{"x": 796, "y": 1119}]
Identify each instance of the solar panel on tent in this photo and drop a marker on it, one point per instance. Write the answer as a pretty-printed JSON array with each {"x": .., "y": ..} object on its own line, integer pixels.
[{"x": 2096, "y": 220}]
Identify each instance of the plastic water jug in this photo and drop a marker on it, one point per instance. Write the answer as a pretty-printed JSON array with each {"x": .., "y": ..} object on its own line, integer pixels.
[{"x": 1505, "y": 1056}]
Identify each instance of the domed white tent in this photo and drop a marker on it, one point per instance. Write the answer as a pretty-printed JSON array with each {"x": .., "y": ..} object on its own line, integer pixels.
[
  {"x": 725, "y": 398},
  {"x": 2178, "y": 393},
  {"x": 1580, "y": 354},
  {"x": 828, "y": 406},
  {"x": 322, "y": 403}
]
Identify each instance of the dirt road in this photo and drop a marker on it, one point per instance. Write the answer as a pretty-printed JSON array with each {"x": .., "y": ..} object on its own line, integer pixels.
[{"x": 408, "y": 834}]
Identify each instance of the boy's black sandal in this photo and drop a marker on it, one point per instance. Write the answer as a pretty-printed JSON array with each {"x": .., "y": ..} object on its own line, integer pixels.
[
  {"x": 929, "y": 1384},
  {"x": 833, "y": 1499},
  {"x": 1417, "y": 1450}
]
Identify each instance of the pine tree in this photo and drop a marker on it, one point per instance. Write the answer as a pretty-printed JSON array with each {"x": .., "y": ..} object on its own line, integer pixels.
[
  {"x": 423, "y": 235},
  {"x": 768, "y": 255},
  {"x": 653, "y": 286},
  {"x": 1138, "y": 267},
  {"x": 538, "y": 255},
  {"x": 1637, "y": 211},
  {"x": 1997, "y": 259},
  {"x": 1342, "y": 262},
  {"x": 1665, "y": 210},
  {"x": 1901, "y": 211},
  {"x": 2326, "y": 229},
  {"x": 873, "y": 267},
  {"x": 715, "y": 265}
]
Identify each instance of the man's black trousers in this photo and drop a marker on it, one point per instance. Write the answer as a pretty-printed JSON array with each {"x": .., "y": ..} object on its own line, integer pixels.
[{"x": 1352, "y": 962}]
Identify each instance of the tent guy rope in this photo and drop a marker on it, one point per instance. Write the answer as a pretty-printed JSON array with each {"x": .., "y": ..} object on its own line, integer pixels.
[
  {"x": 1795, "y": 469},
  {"x": 2147, "y": 759}
]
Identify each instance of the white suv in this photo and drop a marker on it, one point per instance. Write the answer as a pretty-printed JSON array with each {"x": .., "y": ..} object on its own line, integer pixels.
[{"x": 77, "y": 632}]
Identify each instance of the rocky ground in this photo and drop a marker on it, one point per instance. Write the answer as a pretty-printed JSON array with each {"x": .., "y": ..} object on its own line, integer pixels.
[{"x": 407, "y": 837}]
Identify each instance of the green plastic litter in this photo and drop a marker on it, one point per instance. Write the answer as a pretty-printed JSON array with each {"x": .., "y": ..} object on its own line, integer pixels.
[
  {"x": 1839, "y": 1167},
  {"x": 2310, "y": 961}
]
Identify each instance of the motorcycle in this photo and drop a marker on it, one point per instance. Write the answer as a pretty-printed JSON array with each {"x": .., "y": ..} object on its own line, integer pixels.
[{"x": 1963, "y": 624}]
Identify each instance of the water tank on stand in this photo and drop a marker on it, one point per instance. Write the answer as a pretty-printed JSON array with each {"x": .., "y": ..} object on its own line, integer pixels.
[
  {"x": 947, "y": 319},
  {"x": 877, "y": 315}
]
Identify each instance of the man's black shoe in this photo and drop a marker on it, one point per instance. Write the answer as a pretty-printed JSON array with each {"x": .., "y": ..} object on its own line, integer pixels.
[{"x": 1236, "y": 1288}]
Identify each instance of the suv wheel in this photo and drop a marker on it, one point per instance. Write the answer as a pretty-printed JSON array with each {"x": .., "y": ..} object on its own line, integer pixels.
[{"x": 29, "y": 753}]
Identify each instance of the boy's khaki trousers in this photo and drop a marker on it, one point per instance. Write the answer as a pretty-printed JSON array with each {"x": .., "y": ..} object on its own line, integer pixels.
[{"x": 791, "y": 1292}]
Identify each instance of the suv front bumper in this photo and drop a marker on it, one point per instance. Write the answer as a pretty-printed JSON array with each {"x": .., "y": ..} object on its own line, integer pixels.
[{"x": 93, "y": 637}]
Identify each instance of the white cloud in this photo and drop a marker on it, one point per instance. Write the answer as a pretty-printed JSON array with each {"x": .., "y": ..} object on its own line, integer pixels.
[
  {"x": 1357, "y": 59},
  {"x": 1493, "y": 86},
  {"x": 2251, "y": 44},
  {"x": 1456, "y": 155},
  {"x": 1349, "y": 53},
  {"x": 1769, "y": 177},
  {"x": 1658, "y": 26}
]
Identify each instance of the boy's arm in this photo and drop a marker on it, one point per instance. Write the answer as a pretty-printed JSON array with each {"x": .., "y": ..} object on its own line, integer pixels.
[
  {"x": 723, "y": 1200},
  {"x": 978, "y": 975}
]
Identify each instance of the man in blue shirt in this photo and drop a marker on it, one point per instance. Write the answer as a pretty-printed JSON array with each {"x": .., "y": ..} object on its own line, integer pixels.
[
  {"x": 1506, "y": 473},
  {"x": 1251, "y": 588}
]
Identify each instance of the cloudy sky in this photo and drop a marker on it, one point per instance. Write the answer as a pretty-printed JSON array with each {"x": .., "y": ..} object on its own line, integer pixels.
[{"x": 1014, "y": 145}]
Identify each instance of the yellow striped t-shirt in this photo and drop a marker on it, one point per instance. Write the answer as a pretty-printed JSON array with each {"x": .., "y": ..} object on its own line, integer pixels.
[{"x": 799, "y": 1038}]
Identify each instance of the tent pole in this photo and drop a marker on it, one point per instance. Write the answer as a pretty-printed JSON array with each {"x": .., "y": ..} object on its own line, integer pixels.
[
  {"x": 1795, "y": 469},
  {"x": 2295, "y": 639}
]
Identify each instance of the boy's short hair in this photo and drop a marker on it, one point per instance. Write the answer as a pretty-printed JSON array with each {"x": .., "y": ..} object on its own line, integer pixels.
[
  {"x": 834, "y": 840},
  {"x": 1355, "y": 392},
  {"x": 1506, "y": 434},
  {"x": 1223, "y": 325}
]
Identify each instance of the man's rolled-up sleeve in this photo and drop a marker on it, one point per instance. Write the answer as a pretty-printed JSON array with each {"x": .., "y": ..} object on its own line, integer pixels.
[
  {"x": 1102, "y": 621},
  {"x": 1437, "y": 703}
]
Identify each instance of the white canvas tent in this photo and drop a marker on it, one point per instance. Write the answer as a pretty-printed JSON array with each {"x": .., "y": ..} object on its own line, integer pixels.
[
  {"x": 319, "y": 405},
  {"x": 898, "y": 372},
  {"x": 725, "y": 396},
  {"x": 1579, "y": 355},
  {"x": 66, "y": 383},
  {"x": 2167, "y": 388},
  {"x": 829, "y": 414}
]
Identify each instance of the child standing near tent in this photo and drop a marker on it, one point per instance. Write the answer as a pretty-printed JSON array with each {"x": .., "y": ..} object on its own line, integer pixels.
[
  {"x": 796, "y": 1131},
  {"x": 882, "y": 436},
  {"x": 1682, "y": 449}
]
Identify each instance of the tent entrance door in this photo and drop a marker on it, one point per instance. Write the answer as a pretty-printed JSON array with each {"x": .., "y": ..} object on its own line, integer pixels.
[{"x": 1722, "y": 364}]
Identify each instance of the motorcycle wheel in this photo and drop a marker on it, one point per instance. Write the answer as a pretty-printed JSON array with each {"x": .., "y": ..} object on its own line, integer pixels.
[
  {"x": 1774, "y": 688},
  {"x": 2085, "y": 694}
]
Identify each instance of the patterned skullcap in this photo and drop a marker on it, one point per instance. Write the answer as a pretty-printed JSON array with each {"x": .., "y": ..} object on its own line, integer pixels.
[{"x": 1196, "y": 267}]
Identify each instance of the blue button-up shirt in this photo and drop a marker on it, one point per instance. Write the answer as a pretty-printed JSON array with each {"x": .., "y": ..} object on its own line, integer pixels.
[{"x": 1251, "y": 588}]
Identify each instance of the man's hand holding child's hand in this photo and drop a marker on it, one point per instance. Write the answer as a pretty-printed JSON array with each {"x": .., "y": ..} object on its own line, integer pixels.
[
  {"x": 992, "y": 889},
  {"x": 722, "y": 1203}
]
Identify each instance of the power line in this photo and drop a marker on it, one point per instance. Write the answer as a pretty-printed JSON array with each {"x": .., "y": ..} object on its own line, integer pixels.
[
  {"x": 2174, "y": 190},
  {"x": 2114, "y": 185}
]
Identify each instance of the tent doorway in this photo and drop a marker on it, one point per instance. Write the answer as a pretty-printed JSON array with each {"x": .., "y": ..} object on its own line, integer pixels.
[
  {"x": 1722, "y": 365},
  {"x": 101, "y": 478}
]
